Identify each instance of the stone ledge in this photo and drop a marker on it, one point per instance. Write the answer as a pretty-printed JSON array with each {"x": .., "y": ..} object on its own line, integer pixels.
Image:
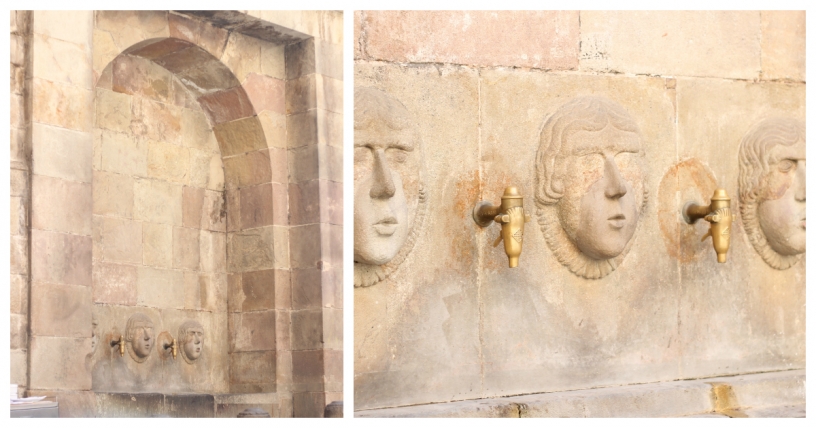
[{"x": 774, "y": 394}]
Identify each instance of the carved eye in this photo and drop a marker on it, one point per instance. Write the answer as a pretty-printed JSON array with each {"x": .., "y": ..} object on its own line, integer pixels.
[
  {"x": 787, "y": 165},
  {"x": 397, "y": 155}
]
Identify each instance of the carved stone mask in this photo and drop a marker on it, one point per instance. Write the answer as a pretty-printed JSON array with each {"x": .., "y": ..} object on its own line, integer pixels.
[
  {"x": 140, "y": 337},
  {"x": 191, "y": 340},
  {"x": 590, "y": 184},
  {"x": 772, "y": 190},
  {"x": 387, "y": 184}
]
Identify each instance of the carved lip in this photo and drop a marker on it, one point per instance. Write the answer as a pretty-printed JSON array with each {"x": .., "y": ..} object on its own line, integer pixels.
[
  {"x": 617, "y": 221},
  {"x": 386, "y": 226}
]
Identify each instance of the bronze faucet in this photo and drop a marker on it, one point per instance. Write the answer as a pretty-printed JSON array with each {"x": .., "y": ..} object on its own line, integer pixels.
[
  {"x": 173, "y": 348},
  {"x": 510, "y": 214},
  {"x": 718, "y": 213},
  {"x": 121, "y": 343}
]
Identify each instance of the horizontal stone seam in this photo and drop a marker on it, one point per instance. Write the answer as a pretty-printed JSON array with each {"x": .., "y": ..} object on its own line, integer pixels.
[{"x": 115, "y": 306}]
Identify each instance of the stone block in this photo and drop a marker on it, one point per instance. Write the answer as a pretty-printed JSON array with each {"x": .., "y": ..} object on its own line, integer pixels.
[
  {"x": 256, "y": 291},
  {"x": 300, "y": 59},
  {"x": 302, "y": 129},
  {"x": 196, "y": 132},
  {"x": 155, "y": 121},
  {"x": 240, "y": 136},
  {"x": 233, "y": 202},
  {"x": 62, "y": 105},
  {"x": 60, "y": 205},
  {"x": 19, "y": 294},
  {"x": 113, "y": 110},
  {"x": 139, "y": 405},
  {"x": 226, "y": 105},
  {"x": 189, "y": 405},
  {"x": 263, "y": 205},
  {"x": 213, "y": 251},
  {"x": 168, "y": 162},
  {"x": 283, "y": 331},
  {"x": 252, "y": 368},
  {"x": 59, "y": 363},
  {"x": 157, "y": 245},
  {"x": 17, "y": 49},
  {"x": 158, "y": 202},
  {"x": 112, "y": 194},
  {"x": 18, "y": 153},
  {"x": 307, "y": 330},
  {"x": 306, "y": 246},
  {"x": 329, "y": 93},
  {"x": 61, "y": 153},
  {"x": 207, "y": 292},
  {"x": 301, "y": 94},
  {"x": 284, "y": 365},
  {"x": 783, "y": 45},
  {"x": 258, "y": 249},
  {"x": 60, "y": 61},
  {"x": 60, "y": 258},
  {"x": 474, "y": 37},
  {"x": 160, "y": 288},
  {"x": 242, "y": 55},
  {"x": 214, "y": 211},
  {"x": 18, "y": 112},
  {"x": 71, "y": 26},
  {"x": 265, "y": 93},
  {"x": 18, "y": 325},
  {"x": 307, "y": 288},
  {"x": 115, "y": 284},
  {"x": 333, "y": 366},
  {"x": 17, "y": 215},
  {"x": 333, "y": 332},
  {"x": 18, "y": 182},
  {"x": 152, "y": 49},
  {"x": 703, "y": 44},
  {"x": 104, "y": 51},
  {"x": 17, "y": 84},
  {"x": 142, "y": 78},
  {"x": 130, "y": 27},
  {"x": 118, "y": 240},
  {"x": 304, "y": 164},
  {"x": 206, "y": 170},
  {"x": 191, "y": 206},
  {"x": 19, "y": 254},
  {"x": 250, "y": 168},
  {"x": 760, "y": 390},
  {"x": 332, "y": 283},
  {"x": 305, "y": 202},
  {"x": 18, "y": 361},
  {"x": 120, "y": 153},
  {"x": 274, "y": 128},
  {"x": 203, "y": 34},
  {"x": 60, "y": 310},
  {"x": 272, "y": 60},
  {"x": 252, "y": 331},
  {"x": 186, "y": 248},
  {"x": 329, "y": 59},
  {"x": 309, "y": 404}
]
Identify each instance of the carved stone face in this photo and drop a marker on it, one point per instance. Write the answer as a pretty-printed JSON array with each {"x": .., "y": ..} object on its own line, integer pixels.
[
  {"x": 599, "y": 208},
  {"x": 782, "y": 211},
  {"x": 142, "y": 337},
  {"x": 386, "y": 177},
  {"x": 193, "y": 343}
]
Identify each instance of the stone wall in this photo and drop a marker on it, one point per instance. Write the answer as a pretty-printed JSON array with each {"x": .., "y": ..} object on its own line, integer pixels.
[
  {"x": 170, "y": 170},
  {"x": 453, "y": 322}
]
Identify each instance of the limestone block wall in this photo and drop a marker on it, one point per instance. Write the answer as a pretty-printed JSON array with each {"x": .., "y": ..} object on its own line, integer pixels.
[
  {"x": 453, "y": 322},
  {"x": 168, "y": 178}
]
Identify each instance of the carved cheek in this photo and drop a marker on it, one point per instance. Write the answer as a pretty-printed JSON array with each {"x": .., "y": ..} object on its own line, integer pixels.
[{"x": 776, "y": 184}]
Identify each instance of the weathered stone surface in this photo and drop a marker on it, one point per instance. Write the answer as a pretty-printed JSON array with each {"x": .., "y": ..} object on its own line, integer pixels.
[
  {"x": 252, "y": 371},
  {"x": 19, "y": 331},
  {"x": 258, "y": 249},
  {"x": 142, "y": 78},
  {"x": 211, "y": 38},
  {"x": 207, "y": 292},
  {"x": 155, "y": 121},
  {"x": 191, "y": 205},
  {"x": 19, "y": 254},
  {"x": 265, "y": 93},
  {"x": 307, "y": 368},
  {"x": 73, "y": 199},
  {"x": 157, "y": 202},
  {"x": 189, "y": 405},
  {"x": 59, "y": 363},
  {"x": 248, "y": 169},
  {"x": 206, "y": 170},
  {"x": 227, "y": 105},
  {"x": 104, "y": 51},
  {"x": 242, "y": 55},
  {"x": 19, "y": 294},
  {"x": 130, "y": 27},
  {"x": 329, "y": 93},
  {"x": 118, "y": 240},
  {"x": 274, "y": 128},
  {"x": 783, "y": 45},
  {"x": 72, "y": 404},
  {"x": 761, "y": 390},
  {"x": 115, "y": 283},
  {"x": 72, "y": 26},
  {"x": 705, "y": 44},
  {"x": 157, "y": 244},
  {"x": 283, "y": 333},
  {"x": 307, "y": 330},
  {"x": 61, "y": 153},
  {"x": 186, "y": 248},
  {"x": 272, "y": 60},
  {"x": 307, "y": 290},
  {"x": 112, "y": 194},
  {"x": 17, "y": 215},
  {"x": 168, "y": 162},
  {"x": 213, "y": 251},
  {"x": 60, "y": 61},
  {"x": 474, "y": 37},
  {"x": 120, "y": 153},
  {"x": 329, "y": 59},
  {"x": 18, "y": 361},
  {"x": 311, "y": 245},
  {"x": 18, "y": 182},
  {"x": 160, "y": 288},
  {"x": 254, "y": 291},
  {"x": 309, "y": 404},
  {"x": 263, "y": 205},
  {"x": 61, "y": 105},
  {"x": 196, "y": 132},
  {"x": 252, "y": 331},
  {"x": 240, "y": 136},
  {"x": 60, "y": 258},
  {"x": 60, "y": 310},
  {"x": 301, "y": 94}
]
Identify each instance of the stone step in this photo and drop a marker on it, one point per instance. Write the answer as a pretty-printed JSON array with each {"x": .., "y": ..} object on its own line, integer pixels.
[{"x": 773, "y": 394}]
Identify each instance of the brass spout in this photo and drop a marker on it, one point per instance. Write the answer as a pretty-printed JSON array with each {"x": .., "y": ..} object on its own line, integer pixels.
[
  {"x": 121, "y": 343},
  {"x": 718, "y": 213},
  {"x": 173, "y": 348},
  {"x": 511, "y": 216}
]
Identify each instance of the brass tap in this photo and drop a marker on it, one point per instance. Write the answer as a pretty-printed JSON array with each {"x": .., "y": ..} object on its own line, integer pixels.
[
  {"x": 510, "y": 214},
  {"x": 173, "y": 348},
  {"x": 718, "y": 213},
  {"x": 121, "y": 343}
]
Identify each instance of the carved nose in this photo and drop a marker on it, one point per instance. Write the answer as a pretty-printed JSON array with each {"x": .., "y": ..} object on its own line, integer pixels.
[
  {"x": 615, "y": 186},
  {"x": 800, "y": 181},
  {"x": 383, "y": 186}
]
